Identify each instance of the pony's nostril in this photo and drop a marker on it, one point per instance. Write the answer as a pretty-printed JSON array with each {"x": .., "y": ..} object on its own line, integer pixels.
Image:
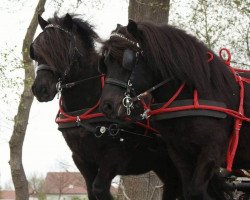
[{"x": 107, "y": 108}]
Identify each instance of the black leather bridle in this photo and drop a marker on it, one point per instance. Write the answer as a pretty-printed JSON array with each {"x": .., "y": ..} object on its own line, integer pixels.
[
  {"x": 75, "y": 58},
  {"x": 76, "y": 54},
  {"x": 130, "y": 96}
]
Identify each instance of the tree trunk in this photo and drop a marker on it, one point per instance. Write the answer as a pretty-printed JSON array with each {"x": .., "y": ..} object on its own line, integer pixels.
[
  {"x": 156, "y": 11},
  {"x": 147, "y": 186},
  {"x": 22, "y": 116}
]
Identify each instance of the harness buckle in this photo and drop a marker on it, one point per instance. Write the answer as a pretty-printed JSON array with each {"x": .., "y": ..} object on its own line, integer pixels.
[
  {"x": 145, "y": 114},
  {"x": 59, "y": 88},
  {"x": 128, "y": 103},
  {"x": 100, "y": 130},
  {"x": 78, "y": 120},
  {"x": 114, "y": 129},
  {"x": 103, "y": 129}
]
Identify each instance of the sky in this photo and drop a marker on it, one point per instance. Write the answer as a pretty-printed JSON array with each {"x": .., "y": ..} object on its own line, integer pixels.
[{"x": 44, "y": 146}]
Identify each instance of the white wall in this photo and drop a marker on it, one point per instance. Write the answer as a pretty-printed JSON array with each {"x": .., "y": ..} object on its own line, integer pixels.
[{"x": 65, "y": 197}]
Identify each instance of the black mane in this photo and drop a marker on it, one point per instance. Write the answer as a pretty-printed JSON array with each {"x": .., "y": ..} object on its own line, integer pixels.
[{"x": 173, "y": 52}]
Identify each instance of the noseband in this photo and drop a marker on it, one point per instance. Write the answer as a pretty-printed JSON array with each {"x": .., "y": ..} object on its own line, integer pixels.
[
  {"x": 116, "y": 82},
  {"x": 45, "y": 67},
  {"x": 127, "y": 100}
]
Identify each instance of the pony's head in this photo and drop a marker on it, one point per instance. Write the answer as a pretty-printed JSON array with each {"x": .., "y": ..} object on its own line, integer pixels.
[
  {"x": 122, "y": 60},
  {"x": 61, "y": 51},
  {"x": 148, "y": 54}
]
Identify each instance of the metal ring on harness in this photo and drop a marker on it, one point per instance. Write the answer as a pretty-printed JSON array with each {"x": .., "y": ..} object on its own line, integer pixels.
[
  {"x": 114, "y": 129},
  {"x": 127, "y": 102},
  {"x": 100, "y": 130}
]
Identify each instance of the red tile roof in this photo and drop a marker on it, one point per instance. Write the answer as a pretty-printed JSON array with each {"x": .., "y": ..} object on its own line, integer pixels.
[{"x": 65, "y": 183}]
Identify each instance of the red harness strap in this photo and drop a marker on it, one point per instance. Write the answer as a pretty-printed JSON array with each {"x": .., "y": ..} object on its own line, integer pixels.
[
  {"x": 84, "y": 116},
  {"x": 238, "y": 115},
  {"x": 90, "y": 115},
  {"x": 234, "y": 140}
]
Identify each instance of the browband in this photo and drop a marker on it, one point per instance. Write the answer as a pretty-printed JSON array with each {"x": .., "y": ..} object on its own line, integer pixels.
[
  {"x": 115, "y": 34},
  {"x": 56, "y": 26}
]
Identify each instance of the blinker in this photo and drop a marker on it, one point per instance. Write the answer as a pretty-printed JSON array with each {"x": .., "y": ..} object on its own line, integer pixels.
[{"x": 129, "y": 59}]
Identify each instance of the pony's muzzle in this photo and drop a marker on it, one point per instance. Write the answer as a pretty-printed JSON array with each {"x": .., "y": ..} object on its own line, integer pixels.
[{"x": 107, "y": 108}]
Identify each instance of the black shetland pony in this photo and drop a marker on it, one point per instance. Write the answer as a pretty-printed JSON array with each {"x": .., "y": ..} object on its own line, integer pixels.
[
  {"x": 169, "y": 59},
  {"x": 65, "y": 53}
]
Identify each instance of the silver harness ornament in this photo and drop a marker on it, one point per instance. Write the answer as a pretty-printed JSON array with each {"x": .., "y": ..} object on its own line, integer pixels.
[
  {"x": 127, "y": 100},
  {"x": 59, "y": 88}
]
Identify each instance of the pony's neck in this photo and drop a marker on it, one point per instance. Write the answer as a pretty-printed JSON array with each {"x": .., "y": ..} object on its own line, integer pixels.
[
  {"x": 86, "y": 94},
  {"x": 167, "y": 91}
]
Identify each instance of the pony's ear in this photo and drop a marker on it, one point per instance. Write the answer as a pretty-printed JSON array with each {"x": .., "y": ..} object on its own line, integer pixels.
[
  {"x": 129, "y": 59},
  {"x": 101, "y": 65},
  {"x": 43, "y": 23},
  {"x": 132, "y": 27},
  {"x": 118, "y": 26},
  {"x": 68, "y": 22}
]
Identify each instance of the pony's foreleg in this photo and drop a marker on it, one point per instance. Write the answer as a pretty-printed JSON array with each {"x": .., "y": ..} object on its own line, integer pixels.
[
  {"x": 172, "y": 188},
  {"x": 171, "y": 193},
  {"x": 183, "y": 167},
  {"x": 208, "y": 161},
  {"x": 89, "y": 173},
  {"x": 102, "y": 182},
  {"x": 101, "y": 187}
]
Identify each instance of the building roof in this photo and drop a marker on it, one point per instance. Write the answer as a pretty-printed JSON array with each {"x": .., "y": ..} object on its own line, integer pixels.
[
  {"x": 64, "y": 183},
  {"x": 67, "y": 183},
  {"x": 7, "y": 195}
]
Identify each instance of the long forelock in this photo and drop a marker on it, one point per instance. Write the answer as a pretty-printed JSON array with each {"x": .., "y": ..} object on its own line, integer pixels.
[
  {"x": 116, "y": 45},
  {"x": 170, "y": 50},
  {"x": 53, "y": 45},
  {"x": 55, "y": 52}
]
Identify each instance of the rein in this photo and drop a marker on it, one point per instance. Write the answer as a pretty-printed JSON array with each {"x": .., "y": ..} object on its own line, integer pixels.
[
  {"x": 147, "y": 92},
  {"x": 69, "y": 85}
]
